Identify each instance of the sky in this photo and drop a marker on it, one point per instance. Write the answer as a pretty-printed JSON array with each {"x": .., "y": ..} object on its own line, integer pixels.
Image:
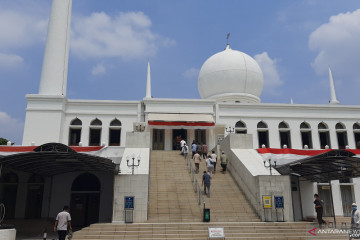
[{"x": 294, "y": 43}]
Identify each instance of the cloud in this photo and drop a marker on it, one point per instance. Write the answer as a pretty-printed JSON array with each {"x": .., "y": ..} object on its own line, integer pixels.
[
  {"x": 10, "y": 61},
  {"x": 337, "y": 44},
  {"x": 21, "y": 29},
  {"x": 126, "y": 35},
  {"x": 11, "y": 128},
  {"x": 191, "y": 73},
  {"x": 271, "y": 75},
  {"x": 98, "y": 69}
]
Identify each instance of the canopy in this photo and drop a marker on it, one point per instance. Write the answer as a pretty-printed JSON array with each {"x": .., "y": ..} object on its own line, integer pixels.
[
  {"x": 53, "y": 159},
  {"x": 331, "y": 165},
  {"x": 178, "y": 120}
]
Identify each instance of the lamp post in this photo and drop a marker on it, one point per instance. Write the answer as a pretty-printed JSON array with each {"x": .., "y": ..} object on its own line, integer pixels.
[
  {"x": 230, "y": 129},
  {"x": 139, "y": 127},
  {"x": 133, "y": 165},
  {"x": 270, "y": 164}
]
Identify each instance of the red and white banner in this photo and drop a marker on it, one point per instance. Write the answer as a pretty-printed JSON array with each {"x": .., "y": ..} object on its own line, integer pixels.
[{"x": 288, "y": 155}]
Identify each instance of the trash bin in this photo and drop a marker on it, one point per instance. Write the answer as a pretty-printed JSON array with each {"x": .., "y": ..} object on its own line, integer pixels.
[
  {"x": 129, "y": 216},
  {"x": 206, "y": 216}
]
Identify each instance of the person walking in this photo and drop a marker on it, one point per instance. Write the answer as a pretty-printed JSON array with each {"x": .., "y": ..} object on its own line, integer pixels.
[
  {"x": 197, "y": 160},
  {"x": 214, "y": 160},
  {"x": 204, "y": 150},
  {"x": 206, "y": 179},
  {"x": 319, "y": 210},
  {"x": 209, "y": 165},
  {"x": 193, "y": 148},
  {"x": 182, "y": 143},
  {"x": 355, "y": 220},
  {"x": 223, "y": 161},
  {"x": 185, "y": 150},
  {"x": 62, "y": 223}
]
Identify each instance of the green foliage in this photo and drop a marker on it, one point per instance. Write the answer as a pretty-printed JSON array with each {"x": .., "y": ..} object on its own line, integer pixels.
[{"x": 3, "y": 141}]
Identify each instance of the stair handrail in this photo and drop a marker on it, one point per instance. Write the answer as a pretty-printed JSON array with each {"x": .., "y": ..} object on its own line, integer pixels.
[{"x": 194, "y": 180}]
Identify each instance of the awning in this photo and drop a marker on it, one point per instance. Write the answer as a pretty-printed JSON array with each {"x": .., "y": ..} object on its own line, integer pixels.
[
  {"x": 178, "y": 120},
  {"x": 53, "y": 159},
  {"x": 331, "y": 165}
]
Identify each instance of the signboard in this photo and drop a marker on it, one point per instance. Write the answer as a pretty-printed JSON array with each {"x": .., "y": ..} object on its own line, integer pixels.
[
  {"x": 216, "y": 232},
  {"x": 267, "y": 201},
  {"x": 129, "y": 203},
  {"x": 325, "y": 187},
  {"x": 279, "y": 201}
]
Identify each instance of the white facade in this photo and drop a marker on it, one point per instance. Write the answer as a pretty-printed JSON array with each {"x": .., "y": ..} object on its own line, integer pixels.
[{"x": 231, "y": 96}]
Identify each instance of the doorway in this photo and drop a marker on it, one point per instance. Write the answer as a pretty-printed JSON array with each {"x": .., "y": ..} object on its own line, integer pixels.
[
  {"x": 177, "y": 136},
  {"x": 200, "y": 136},
  {"x": 34, "y": 199},
  {"x": 347, "y": 197},
  {"x": 85, "y": 200},
  {"x": 158, "y": 139},
  {"x": 324, "y": 194}
]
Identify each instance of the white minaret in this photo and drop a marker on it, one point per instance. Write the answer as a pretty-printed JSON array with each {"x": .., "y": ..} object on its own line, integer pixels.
[
  {"x": 148, "y": 82},
  {"x": 55, "y": 66},
  {"x": 332, "y": 89}
]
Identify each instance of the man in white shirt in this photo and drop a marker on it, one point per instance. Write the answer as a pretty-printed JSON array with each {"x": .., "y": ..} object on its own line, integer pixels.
[
  {"x": 63, "y": 220},
  {"x": 214, "y": 160},
  {"x": 355, "y": 221},
  {"x": 209, "y": 165}
]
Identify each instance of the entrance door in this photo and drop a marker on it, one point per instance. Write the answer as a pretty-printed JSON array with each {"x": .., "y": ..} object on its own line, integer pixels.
[
  {"x": 158, "y": 139},
  {"x": 324, "y": 194},
  {"x": 347, "y": 199},
  {"x": 200, "y": 136},
  {"x": 34, "y": 197},
  {"x": 85, "y": 200},
  {"x": 178, "y": 135}
]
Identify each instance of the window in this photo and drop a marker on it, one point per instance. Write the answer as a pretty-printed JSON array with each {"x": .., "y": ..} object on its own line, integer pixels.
[
  {"x": 75, "y": 132},
  {"x": 356, "y": 129},
  {"x": 240, "y": 128},
  {"x": 306, "y": 139},
  {"x": 115, "y": 133},
  {"x": 95, "y": 133},
  {"x": 324, "y": 135},
  {"x": 263, "y": 134},
  {"x": 284, "y": 132},
  {"x": 341, "y": 135}
]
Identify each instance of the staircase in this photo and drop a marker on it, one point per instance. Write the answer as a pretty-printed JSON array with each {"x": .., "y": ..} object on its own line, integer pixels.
[
  {"x": 174, "y": 212},
  {"x": 188, "y": 231},
  {"x": 172, "y": 198},
  {"x": 227, "y": 202}
]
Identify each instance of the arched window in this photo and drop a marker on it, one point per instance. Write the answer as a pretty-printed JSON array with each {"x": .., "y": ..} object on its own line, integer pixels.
[
  {"x": 306, "y": 138},
  {"x": 115, "y": 133},
  {"x": 75, "y": 132},
  {"x": 284, "y": 132},
  {"x": 324, "y": 135},
  {"x": 95, "y": 132},
  {"x": 8, "y": 193},
  {"x": 341, "y": 135},
  {"x": 240, "y": 127},
  {"x": 356, "y": 129},
  {"x": 263, "y": 134}
]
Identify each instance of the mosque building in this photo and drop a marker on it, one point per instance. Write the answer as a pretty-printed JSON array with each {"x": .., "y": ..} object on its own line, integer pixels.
[{"x": 76, "y": 149}]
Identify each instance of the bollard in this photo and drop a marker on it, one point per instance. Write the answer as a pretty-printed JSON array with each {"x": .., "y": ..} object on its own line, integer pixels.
[{"x": 45, "y": 234}]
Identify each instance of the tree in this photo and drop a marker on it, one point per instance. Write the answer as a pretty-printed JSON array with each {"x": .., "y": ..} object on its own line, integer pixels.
[{"x": 4, "y": 141}]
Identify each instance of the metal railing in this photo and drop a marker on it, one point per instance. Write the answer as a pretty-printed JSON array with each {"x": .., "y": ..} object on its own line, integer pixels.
[{"x": 196, "y": 185}]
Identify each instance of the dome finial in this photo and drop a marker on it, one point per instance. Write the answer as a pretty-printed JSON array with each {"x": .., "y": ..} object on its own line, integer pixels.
[{"x": 227, "y": 41}]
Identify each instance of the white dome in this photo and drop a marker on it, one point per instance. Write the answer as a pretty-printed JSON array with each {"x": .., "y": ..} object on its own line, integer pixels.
[{"x": 231, "y": 75}]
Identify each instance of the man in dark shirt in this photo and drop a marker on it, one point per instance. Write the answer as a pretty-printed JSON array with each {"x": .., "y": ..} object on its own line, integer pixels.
[
  {"x": 319, "y": 210},
  {"x": 206, "y": 182}
]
